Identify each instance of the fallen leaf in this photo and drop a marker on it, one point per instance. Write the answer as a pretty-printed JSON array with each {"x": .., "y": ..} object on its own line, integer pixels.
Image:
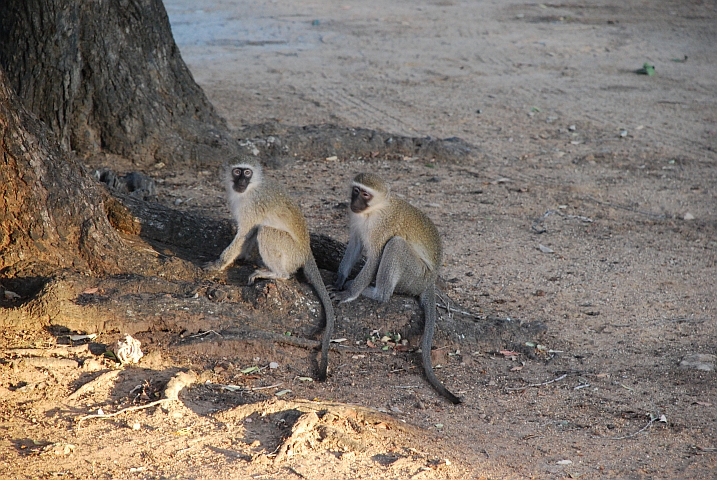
[
  {"x": 517, "y": 368},
  {"x": 646, "y": 69},
  {"x": 90, "y": 291},
  {"x": 509, "y": 353}
]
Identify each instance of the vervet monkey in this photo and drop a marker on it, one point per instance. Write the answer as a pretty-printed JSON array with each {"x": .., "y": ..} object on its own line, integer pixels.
[
  {"x": 269, "y": 222},
  {"x": 403, "y": 253}
]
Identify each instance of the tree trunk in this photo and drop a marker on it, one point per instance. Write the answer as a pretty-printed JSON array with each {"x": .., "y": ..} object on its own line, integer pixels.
[
  {"x": 52, "y": 213},
  {"x": 106, "y": 75}
]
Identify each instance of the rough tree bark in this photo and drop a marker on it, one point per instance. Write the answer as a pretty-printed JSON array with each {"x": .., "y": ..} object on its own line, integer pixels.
[
  {"x": 52, "y": 213},
  {"x": 107, "y": 76}
]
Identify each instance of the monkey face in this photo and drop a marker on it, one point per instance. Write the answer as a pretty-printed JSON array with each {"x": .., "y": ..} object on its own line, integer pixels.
[
  {"x": 360, "y": 199},
  {"x": 241, "y": 177}
]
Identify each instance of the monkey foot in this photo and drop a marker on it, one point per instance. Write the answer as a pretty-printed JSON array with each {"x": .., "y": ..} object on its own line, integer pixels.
[{"x": 267, "y": 274}]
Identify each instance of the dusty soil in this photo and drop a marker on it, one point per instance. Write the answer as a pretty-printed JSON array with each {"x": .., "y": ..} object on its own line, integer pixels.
[{"x": 580, "y": 229}]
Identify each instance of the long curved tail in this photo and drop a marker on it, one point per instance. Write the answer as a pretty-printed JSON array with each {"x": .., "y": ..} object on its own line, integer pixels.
[
  {"x": 312, "y": 274},
  {"x": 428, "y": 302}
]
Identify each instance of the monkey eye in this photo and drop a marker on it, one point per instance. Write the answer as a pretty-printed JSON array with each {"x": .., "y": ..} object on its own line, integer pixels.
[
  {"x": 248, "y": 173},
  {"x": 357, "y": 190},
  {"x": 365, "y": 195},
  {"x": 236, "y": 172}
]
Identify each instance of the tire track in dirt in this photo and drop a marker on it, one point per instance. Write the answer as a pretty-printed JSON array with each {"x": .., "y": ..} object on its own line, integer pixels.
[{"x": 360, "y": 112}]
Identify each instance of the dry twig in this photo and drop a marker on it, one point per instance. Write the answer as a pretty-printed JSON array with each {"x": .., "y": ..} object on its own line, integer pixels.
[
  {"x": 538, "y": 384},
  {"x": 653, "y": 419}
]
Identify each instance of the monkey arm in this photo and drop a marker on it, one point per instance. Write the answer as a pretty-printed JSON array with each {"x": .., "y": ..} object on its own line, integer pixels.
[
  {"x": 351, "y": 256},
  {"x": 361, "y": 282},
  {"x": 234, "y": 250},
  {"x": 228, "y": 255}
]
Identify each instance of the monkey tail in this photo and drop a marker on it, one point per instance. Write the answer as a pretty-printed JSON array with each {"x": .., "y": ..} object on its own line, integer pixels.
[
  {"x": 428, "y": 302},
  {"x": 312, "y": 274}
]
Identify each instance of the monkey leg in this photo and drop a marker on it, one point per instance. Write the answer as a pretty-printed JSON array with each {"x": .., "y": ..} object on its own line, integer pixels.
[
  {"x": 400, "y": 270},
  {"x": 250, "y": 249},
  {"x": 279, "y": 253}
]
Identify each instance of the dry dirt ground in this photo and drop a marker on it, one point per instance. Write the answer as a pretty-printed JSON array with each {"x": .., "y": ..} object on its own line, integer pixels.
[{"x": 581, "y": 245}]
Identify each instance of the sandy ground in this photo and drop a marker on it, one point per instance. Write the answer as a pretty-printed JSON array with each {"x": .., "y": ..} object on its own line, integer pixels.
[{"x": 588, "y": 205}]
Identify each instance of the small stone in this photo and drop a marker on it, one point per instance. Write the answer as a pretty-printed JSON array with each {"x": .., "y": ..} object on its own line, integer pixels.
[
  {"x": 545, "y": 249},
  {"x": 689, "y": 216},
  {"x": 699, "y": 361}
]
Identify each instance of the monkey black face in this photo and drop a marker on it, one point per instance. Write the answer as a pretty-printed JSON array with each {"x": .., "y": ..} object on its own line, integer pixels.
[
  {"x": 241, "y": 177},
  {"x": 360, "y": 199}
]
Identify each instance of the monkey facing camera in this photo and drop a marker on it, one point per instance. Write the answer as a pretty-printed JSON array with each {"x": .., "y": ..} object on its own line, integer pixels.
[
  {"x": 270, "y": 225},
  {"x": 403, "y": 253}
]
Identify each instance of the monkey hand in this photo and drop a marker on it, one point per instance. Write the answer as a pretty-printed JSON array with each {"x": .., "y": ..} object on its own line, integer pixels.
[{"x": 344, "y": 296}]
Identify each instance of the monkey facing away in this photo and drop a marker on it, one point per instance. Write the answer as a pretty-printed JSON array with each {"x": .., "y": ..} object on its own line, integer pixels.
[
  {"x": 403, "y": 253},
  {"x": 270, "y": 223}
]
